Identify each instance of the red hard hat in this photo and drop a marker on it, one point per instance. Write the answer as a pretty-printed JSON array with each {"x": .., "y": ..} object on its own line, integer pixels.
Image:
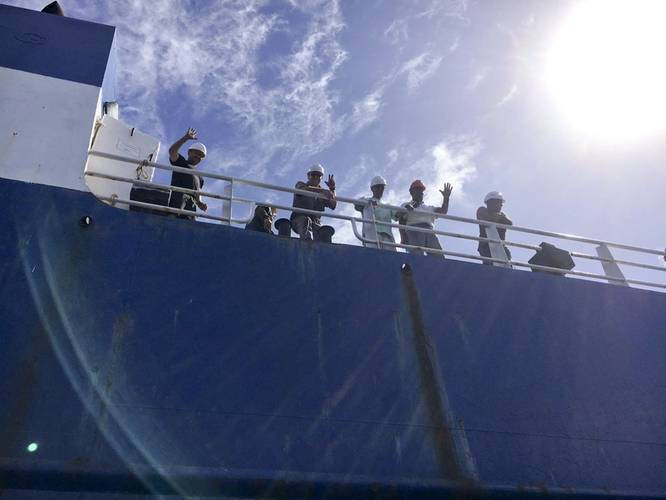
[{"x": 417, "y": 184}]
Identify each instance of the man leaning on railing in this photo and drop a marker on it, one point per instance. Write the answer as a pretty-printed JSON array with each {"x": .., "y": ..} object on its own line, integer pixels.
[
  {"x": 195, "y": 155},
  {"x": 414, "y": 216},
  {"x": 492, "y": 212},
  {"x": 307, "y": 226},
  {"x": 377, "y": 232}
]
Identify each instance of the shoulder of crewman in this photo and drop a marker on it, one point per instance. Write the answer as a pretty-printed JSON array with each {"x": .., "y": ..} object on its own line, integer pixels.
[{"x": 178, "y": 162}]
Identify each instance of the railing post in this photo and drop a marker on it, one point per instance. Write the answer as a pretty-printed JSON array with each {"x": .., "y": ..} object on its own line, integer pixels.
[
  {"x": 226, "y": 204},
  {"x": 496, "y": 249},
  {"x": 611, "y": 269}
]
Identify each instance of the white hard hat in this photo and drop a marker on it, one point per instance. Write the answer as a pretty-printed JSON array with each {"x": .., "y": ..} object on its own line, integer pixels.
[
  {"x": 378, "y": 180},
  {"x": 197, "y": 146},
  {"x": 493, "y": 195},
  {"x": 316, "y": 168}
]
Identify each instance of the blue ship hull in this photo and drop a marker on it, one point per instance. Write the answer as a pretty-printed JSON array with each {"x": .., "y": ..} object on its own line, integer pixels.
[{"x": 149, "y": 354}]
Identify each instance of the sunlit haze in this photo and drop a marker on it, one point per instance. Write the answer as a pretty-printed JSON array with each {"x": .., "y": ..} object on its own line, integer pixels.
[{"x": 606, "y": 70}]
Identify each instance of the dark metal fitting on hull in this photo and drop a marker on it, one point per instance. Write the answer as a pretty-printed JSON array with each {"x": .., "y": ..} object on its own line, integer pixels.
[
  {"x": 283, "y": 227},
  {"x": 85, "y": 221},
  {"x": 326, "y": 234}
]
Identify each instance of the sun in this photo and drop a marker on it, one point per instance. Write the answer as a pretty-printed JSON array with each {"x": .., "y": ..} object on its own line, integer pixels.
[{"x": 606, "y": 69}]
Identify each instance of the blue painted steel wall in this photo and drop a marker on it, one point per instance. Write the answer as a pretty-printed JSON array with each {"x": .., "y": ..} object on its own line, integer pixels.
[
  {"x": 227, "y": 359},
  {"x": 59, "y": 47}
]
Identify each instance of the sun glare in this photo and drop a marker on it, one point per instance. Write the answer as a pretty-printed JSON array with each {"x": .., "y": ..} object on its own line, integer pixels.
[{"x": 606, "y": 69}]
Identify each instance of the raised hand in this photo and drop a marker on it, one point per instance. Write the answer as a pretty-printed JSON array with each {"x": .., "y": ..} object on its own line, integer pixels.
[
  {"x": 330, "y": 183},
  {"x": 446, "y": 192},
  {"x": 191, "y": 134}
]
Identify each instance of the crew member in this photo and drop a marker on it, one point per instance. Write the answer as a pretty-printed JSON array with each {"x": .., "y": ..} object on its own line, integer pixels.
[
  {"x": 418, "y": 214},
  {"x": 195, "y": 155},
  {"x": 305, "y": 225},
  {"x": 381, "y": 216},
  {"x": 492, "y": 212},
  {"x": 262, "y": 220}
]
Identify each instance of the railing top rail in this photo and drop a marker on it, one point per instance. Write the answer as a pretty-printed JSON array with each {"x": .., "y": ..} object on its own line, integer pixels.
[{"x": 264, "y": 185}]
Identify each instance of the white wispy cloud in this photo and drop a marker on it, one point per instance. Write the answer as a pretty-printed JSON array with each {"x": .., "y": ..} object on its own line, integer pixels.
[
  {"x": 508, "y": 96},
  {"x": 416, "y": 71},
  {"x": 366, "y": 111},
  {"x": 360, "y": 173},
  {"x": 397, "y": 33},
  {"x": 477, "y": 79},
  {"x": 419, "y": 69},
  {"x": 392, "y": 156},
  {"x": 454, "y": 46},
  {"x": 448, "y": 8},
  {"x": 452, "y": 159},
  {"x": 215, "y": 61}
]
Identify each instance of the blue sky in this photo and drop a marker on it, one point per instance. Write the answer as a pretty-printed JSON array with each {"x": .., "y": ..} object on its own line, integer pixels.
[{"x": 447, "y": 90}]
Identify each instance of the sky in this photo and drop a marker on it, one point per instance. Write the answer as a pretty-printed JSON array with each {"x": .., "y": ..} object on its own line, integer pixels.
[{"x": 564, "y": 117}]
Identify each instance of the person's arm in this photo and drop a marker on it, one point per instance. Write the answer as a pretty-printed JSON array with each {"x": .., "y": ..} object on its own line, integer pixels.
[
  {"x": 400, "y": 217},
  {"x": 483, "y": 213},
  {"x": 332, "y": 202},
  {"x": 446, "y": 194},
  {"x": 503, "y": 219},
  {"x": 191, "y": 134},
  {"x": 359, "y": 208},
  {"x": 197, "y": 199}
]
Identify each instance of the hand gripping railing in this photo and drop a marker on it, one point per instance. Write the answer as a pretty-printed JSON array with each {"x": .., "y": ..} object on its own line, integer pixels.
[{"x": 604, "y": 257}]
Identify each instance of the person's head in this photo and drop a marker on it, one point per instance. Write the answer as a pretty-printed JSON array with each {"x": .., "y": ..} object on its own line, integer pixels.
[
  {"x": 377, "y": 186},
  {"x": 262, "y": 212},
  {"x": 417, "y": 189},
  {"x": 196, "y": 153},
  {"x": 315, "y": 174},
  {"x": 494, "y": 201}
]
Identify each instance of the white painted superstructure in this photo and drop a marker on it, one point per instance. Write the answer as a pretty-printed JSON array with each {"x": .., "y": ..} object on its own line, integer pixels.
[{"x": 46, "y": 126}]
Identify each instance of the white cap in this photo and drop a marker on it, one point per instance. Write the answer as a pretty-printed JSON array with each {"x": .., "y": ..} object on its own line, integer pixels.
[
  {"x": 378, "y": 180},
  {"x": 493, "y": 195},
  {"x": 197, "y": 146},
  {"x": 316, "y": 168}
]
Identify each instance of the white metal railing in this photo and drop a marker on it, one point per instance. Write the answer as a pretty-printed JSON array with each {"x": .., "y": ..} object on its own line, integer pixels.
[{"x": 610, "y": 264}]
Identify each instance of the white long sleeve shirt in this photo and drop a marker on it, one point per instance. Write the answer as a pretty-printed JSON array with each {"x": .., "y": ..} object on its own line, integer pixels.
[{"x": 382, "y": 214}]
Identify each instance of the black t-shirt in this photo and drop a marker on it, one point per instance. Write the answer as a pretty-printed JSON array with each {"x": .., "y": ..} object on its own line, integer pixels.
[
  {"x": 183, "y": 180},
  {"x": 483, "y": 245},
  {"x": 308, "y": 202}
]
